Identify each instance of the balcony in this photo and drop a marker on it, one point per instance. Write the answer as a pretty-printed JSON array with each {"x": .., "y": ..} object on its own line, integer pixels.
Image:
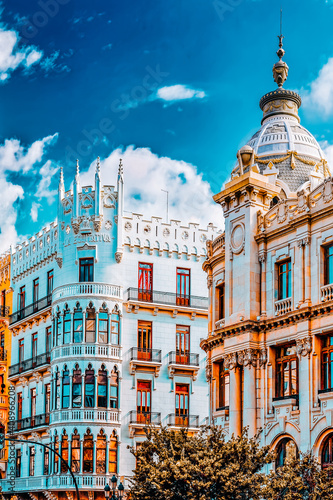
[
  {"x": 165, "y": 301},
  {"x": 3, "y": 354},
  {"x": 99, "y": 351},
  {"x": 4, "y": 311},
  {"x": 57, "y": 481},
  {"x": 326, "y": 293},
  {"x": 33, "y": 309},
  {"x": 29, "y": 364},
  {"x": 183, "y": 363},
  {"x": 283, "y": 306},
  {"x": 188, "y": 421},
  {"x": 85, "y": 415},
  {"x": 145, "y": 360},
  {"x": 87, "y": 289},
  {"x": 139, "y": 420},
  {"x": 29, "y": 423}
]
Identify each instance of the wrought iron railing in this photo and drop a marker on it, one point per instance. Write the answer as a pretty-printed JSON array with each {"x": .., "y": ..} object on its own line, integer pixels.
[
  {"x": 183, "y": 358},
  {"x": 4, "y": 311},
  {"x": 3, "y": 354},
  {"x": 167, "y": 298},
  {"x": 146, "y": 418},
  {"x": 33, "y": 308},
  {"x": 186, "y": 420},
  {"x": 141, "y": 354},
  {"x": 29, "y": 364},
  {"x": 30, "y": 422}
]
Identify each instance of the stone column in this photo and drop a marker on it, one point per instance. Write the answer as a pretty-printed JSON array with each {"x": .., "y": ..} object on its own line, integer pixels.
[
  {"x": 307, "y": 271},
  {"x": 262, "y": 260},
  {"x": 248, "y": 359},
  {"x": 235, "y": 401},
  {"x": 304, "y": 348}
]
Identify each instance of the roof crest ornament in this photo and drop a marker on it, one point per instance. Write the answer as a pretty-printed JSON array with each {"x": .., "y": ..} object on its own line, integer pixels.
[
  {"x": 77, "y": 167},
  {"x": 121, "y": 168},
  {"x": 98, "y": 164},
  {"x": 280, "y": 69}
]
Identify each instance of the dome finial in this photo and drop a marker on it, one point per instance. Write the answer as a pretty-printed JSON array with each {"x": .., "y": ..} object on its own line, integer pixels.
[{"x": 280, "y": 69}]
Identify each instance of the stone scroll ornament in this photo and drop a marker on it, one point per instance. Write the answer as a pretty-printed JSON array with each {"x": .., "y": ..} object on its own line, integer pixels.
[{"x": 304, "y": 346}]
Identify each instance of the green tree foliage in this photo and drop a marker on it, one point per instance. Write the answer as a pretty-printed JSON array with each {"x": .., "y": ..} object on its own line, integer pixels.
[
  {"x": 299, "y": 479},
  {"x": 177, "y": 466}
]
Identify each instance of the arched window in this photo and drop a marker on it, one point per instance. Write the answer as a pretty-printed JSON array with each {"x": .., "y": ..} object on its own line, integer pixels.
[
  {"x": 67, "y": 326},
  {"x": 90, "y": 324},
  {"x": 327, "y": 452},
  {"x": 101, "y": 453},
  {"x": 114, "y": 388},
  {"x": 64, "y": 451},
  {"x": 56, "y": 458},
  {"x": 89, "y": 389},
  {"x": 58, "y": 328},
  {"x": 75, "y": 460},
  {"x": 115, "y": 328},
  {"x": 65, "y": 388},
  {"x": 286, "y": 450},
  {"x": 77, "y": 388},
  {"x": 88, "y": 452},
  {"x": 57, "y": 390},
  {"x": 103, "y": 327},
  {"x": 78, "y": 324},
  {"x": 102, "y": 381},
  {"x": 113, "y": 453}
]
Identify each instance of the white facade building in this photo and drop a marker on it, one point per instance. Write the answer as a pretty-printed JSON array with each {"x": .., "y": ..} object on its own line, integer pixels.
[{"x": 108, "y": 314}]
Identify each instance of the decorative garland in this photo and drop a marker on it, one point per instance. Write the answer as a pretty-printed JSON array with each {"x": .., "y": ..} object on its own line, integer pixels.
[{"x": 293, "y": 154}]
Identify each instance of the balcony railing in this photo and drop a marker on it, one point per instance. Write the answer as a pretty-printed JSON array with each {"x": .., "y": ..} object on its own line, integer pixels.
[
  {"x": 141, "y": 354},
  {"x": 87, "y": 288},
  {"x": 283, "y": 306},
  {"x": 327, "y": 293},
  {"x": 183, "y": 358},
  {"x": 79, "y": 414},
  {"x": 103, "y": 351},
  {"x": 174, "y": 420},
  {"x": 30, "y": 364},
  {"x": 145, "y": 418},
  {"x": 3, "y": 354},
  {"x": 4, "y": 311},
  {"x": 166, "y": 298},
  {"x": 37, "y": 306},
  {"x": 30, "y": 422}
]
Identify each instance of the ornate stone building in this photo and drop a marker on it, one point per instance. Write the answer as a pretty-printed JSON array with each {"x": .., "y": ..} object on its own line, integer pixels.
[
  {"x": 108, "y": 315},
  {"x": 270, "y": 278},
  {"x": 5, "y": 351}
]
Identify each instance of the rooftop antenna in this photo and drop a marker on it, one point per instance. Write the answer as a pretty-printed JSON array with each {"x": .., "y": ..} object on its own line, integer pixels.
[{"x": 167, "y": 210}]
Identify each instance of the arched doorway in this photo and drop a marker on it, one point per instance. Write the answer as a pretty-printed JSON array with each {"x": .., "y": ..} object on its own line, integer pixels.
[
  {"x": 286, "y": 449},
  {"x": 327, "y": 452}
]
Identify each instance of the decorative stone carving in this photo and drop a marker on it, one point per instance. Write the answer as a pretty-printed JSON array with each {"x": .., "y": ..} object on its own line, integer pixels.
[
  {"x": 108, "y": 225},
  {"x": 128, "y": 226},
  {"x": 118, "y": 257},
  {"x": 209, "y": 281},
  {"x": 58, "y": 261},
  {"x": 230, "y": 361},
  {"x": 304, "y": 346},
  {"x": 248, "y": 357},
  {"x": 327, "y": 192},
  {"x": 208, "y": 371},
  {"x": 281, "y": 211},
  {"x": 75, "y": 225},
  {"x": 97, "y": 222},
  {"x": 263, "y": 356}
]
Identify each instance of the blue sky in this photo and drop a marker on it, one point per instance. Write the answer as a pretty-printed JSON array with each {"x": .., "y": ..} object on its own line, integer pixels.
[{"x": 171, "y": 86}]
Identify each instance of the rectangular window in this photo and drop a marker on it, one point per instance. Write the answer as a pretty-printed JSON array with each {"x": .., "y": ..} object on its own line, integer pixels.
[
  {"x": 78, "y": 326},
  {"x": 19, "y": 405},
  {"x": 57, "y": 391},
  {"x": 223, "y": 387},
  {"x": 144, "y": 340},
  {"x": 285, "y": 280},
  {"x": 182, "y": 404},
  {"x": 86, "y": 270},
  {"x": 113, "y": 455},
  {"x": 21, "y": 299},
  {"x": 103, "y": 327},
  {"x": 286, "y": 372},
  {"x": 328, "y": 265},
  {"x": 18, "y": 463},
  {"x": 182, "y": 344},
  {"x": 67, "y": 327},
  {"x": 47, "y": 399},
  {"x": 3, "y": 298},
  {"x": 220, "y": 301},
  {"x": 183, "y": 286},
  {"x": 34, "y": 340},
  {"x": 46, "y": 461},
  {"x": 114, "y": 389},
  {"x": 32, "y": 405},
  {"x": 143, "y": 404},
  {"x": 49, "y": 282},
  {"x": 59, "y": 329},
  {"x": 48, "y": 339},
  {"x": 77, "y": 389},
  {"x": 327, "y": 364},
  {"x": 31, "y": 461},
  {"x": 65, "y": 389},
  {"x": 35, "y": 293},
  {"x": 21, "y": 351},
  {"x": 145, "y": 281},
  {"x": 90, "y": 325},
  {"x": 89, "y": 389},
  {"x": 115, "y": 328}
]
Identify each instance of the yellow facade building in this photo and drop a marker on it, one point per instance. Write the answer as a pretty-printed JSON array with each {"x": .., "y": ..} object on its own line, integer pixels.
[{"x": 5, "y": 350}]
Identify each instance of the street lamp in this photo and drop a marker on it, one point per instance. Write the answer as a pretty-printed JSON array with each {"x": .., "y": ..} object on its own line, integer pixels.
[
  {"x": 107, "y": 491},
  {"x": 115, "y": 494}
]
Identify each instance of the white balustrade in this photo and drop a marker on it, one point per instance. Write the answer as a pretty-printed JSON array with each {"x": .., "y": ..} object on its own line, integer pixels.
[
  {"x": 84, "y": 415},
  {"x": 327, "y": 293},
  {"x": 83, "y": 481},
  {"x": 24, "y": 484},
  {"x": 283, "y": 306},
  {"x": 102, "y": 351},
  {"x": 87, "y": 289}
]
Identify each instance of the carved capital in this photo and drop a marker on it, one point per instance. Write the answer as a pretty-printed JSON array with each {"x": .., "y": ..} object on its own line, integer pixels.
[
  {"x": 247, "y": 357},
  {"x": 209, "y": 281},
  {"x": 304, "y": 346},
  {"x": 262, "y": 257},
  {"x": 208, "y": 371},
  {"x": 263, "y": 356},
  {"x": 118, "y": 257},
  {"x": 230, "y": 361}
]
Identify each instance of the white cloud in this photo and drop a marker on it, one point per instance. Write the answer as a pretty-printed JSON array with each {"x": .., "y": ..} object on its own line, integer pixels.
[
  {"x": 145, "y": 174},
  {"x": 16, "y": 158},
  {"x": 179, "y": 93},
  {"x": 319, "y": 98},
  {"x": 47, "y": 171},
  {"x": 13, "y": 57}
]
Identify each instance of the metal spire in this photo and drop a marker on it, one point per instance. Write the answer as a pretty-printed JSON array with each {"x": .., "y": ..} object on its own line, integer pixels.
[
  {"x": 98, "y": 165},
  {"x": 77, "y": 167},
  {"x": 280, "y": 69},
  {"x": 121, "y": 168},
  {"x": 281, "y": 52}
]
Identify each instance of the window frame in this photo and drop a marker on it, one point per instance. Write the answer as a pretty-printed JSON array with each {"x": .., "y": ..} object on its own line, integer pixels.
[
  {"x": 285, "y": 288},
  {"x": 328, "y": 264},
  {"x": 183, "y": 298},
  {"x": 280, "y": 363},
  {"x": 86, "y": 270},
  {"x": 223, "y": 399}
]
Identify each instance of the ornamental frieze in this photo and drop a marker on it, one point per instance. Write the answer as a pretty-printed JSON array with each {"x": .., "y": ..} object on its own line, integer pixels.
[{"x": 246, "y": 357}]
